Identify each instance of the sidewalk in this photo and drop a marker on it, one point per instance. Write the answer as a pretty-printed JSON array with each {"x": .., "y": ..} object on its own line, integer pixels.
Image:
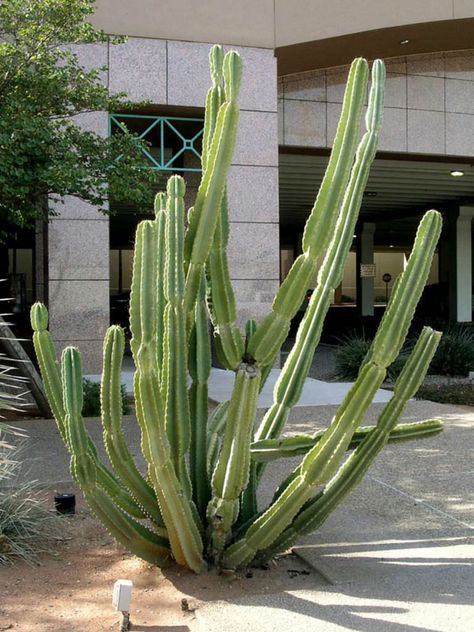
[{"x": 396, "y": 556}]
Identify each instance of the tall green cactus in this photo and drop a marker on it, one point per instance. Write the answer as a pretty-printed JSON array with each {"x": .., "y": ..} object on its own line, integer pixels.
[{"x": 196, "y": 501}]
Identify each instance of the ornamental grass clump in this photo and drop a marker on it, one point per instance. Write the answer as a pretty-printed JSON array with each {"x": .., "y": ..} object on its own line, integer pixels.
[{"x": 196, "y": 502}]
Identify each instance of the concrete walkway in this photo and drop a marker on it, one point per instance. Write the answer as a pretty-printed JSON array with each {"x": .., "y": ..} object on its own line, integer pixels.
[
  {"x": 396, "y": 556},
  {"x": 221, "y": 383}
]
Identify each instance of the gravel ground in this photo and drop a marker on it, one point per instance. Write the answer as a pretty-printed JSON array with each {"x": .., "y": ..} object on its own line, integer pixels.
[{"x": 323, "y": 361}]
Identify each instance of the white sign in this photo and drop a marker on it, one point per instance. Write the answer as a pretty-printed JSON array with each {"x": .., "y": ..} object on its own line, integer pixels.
[
  {"x": 367, "y": 269},
  {"x": 122, "y": 595}
]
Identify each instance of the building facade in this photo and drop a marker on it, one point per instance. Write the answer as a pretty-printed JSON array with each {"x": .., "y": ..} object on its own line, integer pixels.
[{"x": 296, "y": 58}]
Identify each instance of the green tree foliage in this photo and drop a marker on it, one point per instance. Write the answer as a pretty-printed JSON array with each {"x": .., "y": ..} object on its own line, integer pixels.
[{"x": 43, "y": 88}]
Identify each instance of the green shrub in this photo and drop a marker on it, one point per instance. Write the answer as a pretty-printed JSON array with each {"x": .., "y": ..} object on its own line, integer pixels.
[
  {"x": 350, "y": 355},
  {"x": 455, "y": 354},
  {"x": 457, "y": 393},
  {"x": 27, "y": 526},
  {"x": 91, "y": 407}
]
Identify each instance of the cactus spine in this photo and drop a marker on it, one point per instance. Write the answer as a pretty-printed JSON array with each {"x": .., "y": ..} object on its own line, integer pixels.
[{"x": 197, "y": 501}]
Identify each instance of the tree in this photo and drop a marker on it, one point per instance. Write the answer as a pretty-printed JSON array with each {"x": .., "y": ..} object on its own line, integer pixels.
[{"x": 44, "y": 153}]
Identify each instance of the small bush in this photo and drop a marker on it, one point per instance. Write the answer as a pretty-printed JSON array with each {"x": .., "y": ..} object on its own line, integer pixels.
[
  {"x": 457, "y": 393},
  {"x": 27, "y": 526},
  {"x": 455, "y": 354},
  {"x": 349, "y": 356},
  {"x": 91, "y": 406}
]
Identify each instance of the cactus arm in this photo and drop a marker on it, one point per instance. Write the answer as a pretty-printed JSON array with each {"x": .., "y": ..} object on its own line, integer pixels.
[
  {"x": 289, "y": 447},
  {"x": 232, "y": 471},
  {"x": 322, "y": 461},
  {"x": 209, "y": 196},
  {"x": 222, "y": 300},
  {"x": 273, "y": 330},
  {"x": 354, "y": 469},
  {"x": 215, "y": 429},
  {"x": 199, "y": 369},
  {"x": 51, "y": 376},
  {"x": 174, "y": 370},
  {"x": 139, "y": 539},
  {"x": 160, "y": 221},
  {"x": 114, "y": 441},
  {"x": 291, "y": 380},
  {"x": 183, "y": 532}
]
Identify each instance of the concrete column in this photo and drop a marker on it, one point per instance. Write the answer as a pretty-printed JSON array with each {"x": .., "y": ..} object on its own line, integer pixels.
[
  {"x": 464, "y": 264},
  {"x": 365, "y": 255}
]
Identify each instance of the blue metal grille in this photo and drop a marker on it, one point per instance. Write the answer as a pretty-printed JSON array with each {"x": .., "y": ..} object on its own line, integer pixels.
[{"x": 174, "y": 138}]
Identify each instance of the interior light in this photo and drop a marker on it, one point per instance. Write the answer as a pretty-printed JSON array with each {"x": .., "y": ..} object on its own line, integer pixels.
[
  {"x": 405, "y": 41},
  {"x": 456, "y": 173},
  {"x": 391, "y": 246}
]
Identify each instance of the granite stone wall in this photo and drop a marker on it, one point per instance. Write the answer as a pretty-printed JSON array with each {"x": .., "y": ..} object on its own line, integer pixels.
[
  {"x": 171, "y": 73},
  {"x": 429, "y": 105}
]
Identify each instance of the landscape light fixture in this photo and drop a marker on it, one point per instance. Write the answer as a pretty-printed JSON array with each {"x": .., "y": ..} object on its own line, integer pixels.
[
  {"x": 457, "y": 173},
  {"x": 121, "y": 598}
]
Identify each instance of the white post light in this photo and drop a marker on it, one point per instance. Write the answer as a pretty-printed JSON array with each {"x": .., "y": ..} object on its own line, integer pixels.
[{"x": 121, "y": 598}]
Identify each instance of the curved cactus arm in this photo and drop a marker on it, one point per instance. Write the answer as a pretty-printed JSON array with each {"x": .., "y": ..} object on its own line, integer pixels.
[
  {"x": 199, "y": 369},
  {"x": 50, "y": 373},
  {"x": 321, "y": 462},
  {"x": 291, "y": 380},
  {"x": 232, "y": 471},
  {"x": 174, "y": 369},
  {"x": 289, "y": 447},
  {"x": 141, "y": 540},
  {"x": 354, "y": 469},
  {"x": 209, "y": 196},
  {"x": 114, "y": 441},
  {"x": 273, "y": 330}
]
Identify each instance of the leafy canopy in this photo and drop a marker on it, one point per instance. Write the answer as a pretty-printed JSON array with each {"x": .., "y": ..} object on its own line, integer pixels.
[{"x": 43, "y": 88}]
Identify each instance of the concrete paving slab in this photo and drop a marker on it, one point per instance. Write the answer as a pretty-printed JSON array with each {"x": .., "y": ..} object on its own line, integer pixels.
[{"x": 221, "y": 383}]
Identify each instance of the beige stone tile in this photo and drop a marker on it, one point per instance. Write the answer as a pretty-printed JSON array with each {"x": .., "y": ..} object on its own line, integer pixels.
[
  {"x": 138, "y": 67},
  {"x": 396, "y": 90},
  {"x": 96, "y": 122},
  {"x": 78, "y": 249},
  {"x": 429, "y": 65},
  {"x": 92, "y": 57},
  {"x": 396, "y": 64},
  {"x": 459, "y": 134},
  {"x": 78, "y": 310},
  {"x": 281, "y": 121},
  {"x": 259, "y": 79},
  {"x": 460, "y": 96},
  {"x": 91, "y": 353},
  {"x": 253, "y": 251},
  {"x": 426, "y": 93},
  {"x": 253, "y": 194},
  {"x": 307, "y": 86},
  {"x": 254, "y": 298},
  {"x": 305, "y": 123},
  {"x": 336, "y": 84},
  {"x": 188, "y": 73},
  {"x": 426, "y": 133},
  {"x": 459, "y": 66},
  {"x": 70, "y": 207},
  {"x": 257, "y": 139},
  {"x": 393, "y": 135}
]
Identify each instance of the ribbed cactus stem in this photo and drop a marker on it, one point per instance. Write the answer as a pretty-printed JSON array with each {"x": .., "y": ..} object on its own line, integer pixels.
[
  {"x": 114, "y": 440},
  {"x": 351, "y": 473},
  {"x": 232, "y": 471},
  {"x": 174, "y": 370},
  {"x": 319, "y": 228},
  {"x": 291, "y": 380}
]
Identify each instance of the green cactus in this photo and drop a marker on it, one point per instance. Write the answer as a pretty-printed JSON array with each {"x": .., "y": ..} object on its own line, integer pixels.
[{"x": 196, "y": 502}]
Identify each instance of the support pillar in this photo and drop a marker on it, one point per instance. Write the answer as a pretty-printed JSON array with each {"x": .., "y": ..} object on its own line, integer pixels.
[
  {"x": 464, "y": 264},
  {"x": 365, "y": 255}
]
